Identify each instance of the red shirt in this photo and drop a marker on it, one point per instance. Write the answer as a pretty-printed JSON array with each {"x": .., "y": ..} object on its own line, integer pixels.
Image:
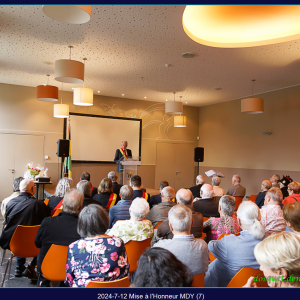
[{"x": 291, "y": 199}]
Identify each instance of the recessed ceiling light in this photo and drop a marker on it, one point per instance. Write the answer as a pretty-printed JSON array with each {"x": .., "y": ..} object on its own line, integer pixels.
[
  {"x": 166, "y": 99},
  {"x": 72, "y": 88},
  {"x": 187, "y": 55},
  {"x": 185, "y": 102},
  {"x": 122, "y": 94},
  {"x": 145, "y": 97},
  {"x": 98, "y": 91}
]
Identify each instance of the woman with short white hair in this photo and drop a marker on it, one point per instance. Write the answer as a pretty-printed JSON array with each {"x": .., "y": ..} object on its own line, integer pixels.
[
  {"x": 279, "y": 259},
  {"x": 137, "y": 228},
  {"x": 235, "y": 252},
  {"x": 215, "y": 181}
]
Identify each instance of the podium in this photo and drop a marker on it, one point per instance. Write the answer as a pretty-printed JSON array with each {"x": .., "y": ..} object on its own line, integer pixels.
[{"x": 129, "y": 168}]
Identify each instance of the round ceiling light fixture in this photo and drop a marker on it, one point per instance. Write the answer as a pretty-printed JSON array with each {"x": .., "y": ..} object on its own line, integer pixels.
[
  {"x": 252, "y": 105},
  {"x": 46, "y": 92},
  {"x": 173, "y": 107}
]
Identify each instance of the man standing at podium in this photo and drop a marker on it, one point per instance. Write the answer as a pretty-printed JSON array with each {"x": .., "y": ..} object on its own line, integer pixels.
[{"x": 121, "y": 154}]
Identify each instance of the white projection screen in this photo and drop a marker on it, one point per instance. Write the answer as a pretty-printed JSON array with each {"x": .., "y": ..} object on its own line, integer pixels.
[{"x": 95, "y": 138}]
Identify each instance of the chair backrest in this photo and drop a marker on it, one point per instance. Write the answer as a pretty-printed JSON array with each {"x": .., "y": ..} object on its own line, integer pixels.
[
  {"x": 57, "y": 212},
  {"x": 158, "y": 224},
  {"x": 134, "y": 250},
  {"x": 22, "y": 242},
  {"x": 124, "y": 282},
  {"x": 241, "y": 277},
  {"x": 46, "y": 201},
  {"x": 252, "y": 198},
  {"x": 198, "y": 280},
  {"x": 54, "y": 263},
  {"x": 238, "y": 201}
]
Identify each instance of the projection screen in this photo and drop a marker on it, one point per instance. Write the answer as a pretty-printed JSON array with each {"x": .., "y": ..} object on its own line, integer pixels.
[{"x": 95, "y": 138}]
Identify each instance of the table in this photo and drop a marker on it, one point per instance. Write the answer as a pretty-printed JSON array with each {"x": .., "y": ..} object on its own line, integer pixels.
[{"x": 37, "y": 184}]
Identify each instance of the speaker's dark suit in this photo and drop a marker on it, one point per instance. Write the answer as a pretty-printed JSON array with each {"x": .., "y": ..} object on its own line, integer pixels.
[{"x": 119, "y": 155}]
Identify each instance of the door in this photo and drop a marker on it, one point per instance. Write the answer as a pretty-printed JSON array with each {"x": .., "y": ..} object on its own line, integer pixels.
[{"x": 175, "y": 164}]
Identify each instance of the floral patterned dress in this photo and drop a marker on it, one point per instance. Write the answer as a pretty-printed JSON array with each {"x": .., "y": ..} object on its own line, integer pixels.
[{"x": 99, "y": 259}]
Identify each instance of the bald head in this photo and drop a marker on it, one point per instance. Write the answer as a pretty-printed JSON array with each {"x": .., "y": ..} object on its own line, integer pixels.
[
  {"x": 200, "y": 179},
  {"x": 27, "y": 186},
  {"x": 206, "y": 191},
  {"x": 167, "y": 194},
  {"x": 184, "y": 197},
  {"x": 266, "y": 185}
]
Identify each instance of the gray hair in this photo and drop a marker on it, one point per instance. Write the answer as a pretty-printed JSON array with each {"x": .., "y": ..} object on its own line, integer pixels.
[
  {"x": 168, "y": 192},
  {"x": 267, "y": 184},
  {"x": 112, "y": 175},
  {"x": 93, "y": 220},
  {"x": 227, "y": 204},
  {"x": 85, "y": 187},
  {"x": 207, "y": 190},
  {"x": 236, "y": 178},
  {"x": 16, "y": 184},
  {"x": 249, "y": 215},
  {"x": 63, "y": 186},
  {"x": 275, "y": 194},
  {"x": 25, "y": 184},
  {"x": 184, "y": 197},
  {"x": 216, "y": 180},
  {"x": 200, "y": 179},
  {"x": 126, "y": 192},
  {"x": 72, "y": 202},
  {"x": 139, "y": 208},
  {"x": 180, "y": 217}
]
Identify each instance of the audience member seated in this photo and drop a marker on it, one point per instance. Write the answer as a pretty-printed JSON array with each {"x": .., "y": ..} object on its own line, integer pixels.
[
  {"x": 235, "y": 252},
  {"x": 136, "y": 184},
  {"x": 62, "y": 187},
  {"x": 120, "y": 211},
  {"x": 200, "y": 180},
  {"x": 227, "y": 223},
  {"x": 160, "y": 211},
  {"x": 271, "y": 213},
  {"x": 158, "y": 267},
  {"x": 23, "y": 210},
  {"x": 155, "y": 199},
  {"x": 106, "y": 197},
  {"x": 215, "y": 181},
  {"x": 137, "y": 228},
  {"x": 260, "y": 198},
  {"x": 236, "y": 189},
  {"x": 96, "y": 256},
  {"x": 183, "y": 197},
  {"x": 16, "y": 189},
  {"x": 279, "y": 259},
  {"x": 206, "y": 205},
  {"x": 291, "y": 214},
  {"x": 190, "y": 251},
  {"x": 283, "y": 184},
  {"x": 116, "y": 187},
  {"x": 85, "y": 187},
  {"x": 274, "y": 180},
  {"x": 294, "y": 193},
  {"x": 87, "y": 176},
  {"x": 60, "y": 230}
]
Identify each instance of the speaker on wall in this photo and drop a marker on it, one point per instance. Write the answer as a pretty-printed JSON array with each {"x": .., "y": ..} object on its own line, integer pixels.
[
  {"x": 199, "y": 154},
  {"x": 63, "y": 148}
]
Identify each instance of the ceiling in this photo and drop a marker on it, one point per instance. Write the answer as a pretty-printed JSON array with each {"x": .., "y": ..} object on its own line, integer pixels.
[{"x": 127, "y": 48}]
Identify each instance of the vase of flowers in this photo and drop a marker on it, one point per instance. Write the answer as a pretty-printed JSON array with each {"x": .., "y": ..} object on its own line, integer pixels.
[{"x": 33, "y": 172}]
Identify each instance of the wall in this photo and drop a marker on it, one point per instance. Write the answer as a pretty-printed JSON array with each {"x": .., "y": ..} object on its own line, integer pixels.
[
  {"x": 234, "y": 143},
  {"x": 21, "y": 113}
]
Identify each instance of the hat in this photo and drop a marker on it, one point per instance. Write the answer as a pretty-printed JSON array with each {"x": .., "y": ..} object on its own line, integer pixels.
[{"x": 285, "y": 180}]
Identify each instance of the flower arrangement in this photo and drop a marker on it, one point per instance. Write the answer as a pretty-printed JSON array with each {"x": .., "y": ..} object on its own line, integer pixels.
[{"x": 34, "y": 171}]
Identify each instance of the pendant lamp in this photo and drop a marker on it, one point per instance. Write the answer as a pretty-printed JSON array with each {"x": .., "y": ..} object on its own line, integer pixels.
[
  {"x": 69, "y": 71},
  {"x": 174, "y": 108},
  {"x": 72, "y": 14},
  {"x": 83, "y": 96},
  {"x": 61, "y": 110},
  {"x": 252, "y": 105},
  {"x": 180, "y": 121},
  {"x": 47, "y": 92}
]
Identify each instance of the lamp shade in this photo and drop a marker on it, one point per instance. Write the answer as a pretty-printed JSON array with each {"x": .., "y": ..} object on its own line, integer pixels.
[
  {"x": 47, "y": 93},
  {"x": 179, "y": 121},
  {"x": 69, "y": 71},
  {"x": 72, "y": 14},
  {"x": 174, "y": 108},
  {"x": 83, "y": 96},
  {"x": 252, "y": 106},
  {"x": 61, "y": 110}
]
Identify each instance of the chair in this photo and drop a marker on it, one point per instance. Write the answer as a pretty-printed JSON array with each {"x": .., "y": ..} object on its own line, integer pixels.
[
  {"x": 124, "y": 282},
  {"x": 198, "y": 280},
  {"x": 57, "y": 212},
  {"x": 46, "y": 201},
  {"x": 54, "y": 264},
  {"x": 22, "y": 244},
  {"x": 241, "y": 277},
  {"x": 238, "y": 201},
  {"x": 134, "y": 250},
  {"x": 157, "y": 224},
  {"x": 252, "y": 198}
]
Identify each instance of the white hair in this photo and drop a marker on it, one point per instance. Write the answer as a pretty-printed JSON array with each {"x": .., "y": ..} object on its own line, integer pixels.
[
  {"x": 63, "y": 186},
  {"x": 236, "y": 178},
  {"x": 112, "y": 175},
  {"x": 24, "y": 184},
  {"x": 139, "y": 208},
  {"x": 216, "y": 180},
  {"x": 168, "y": 192},
  {"x": 227, "y": 204},
  {"x": 249, "y": 215},
  {"x": 207, "y": 190},
  {"x": 180, "y": 218},
  {"x": 200, "y": 179},
  {"x": 85, "y": 187},
  {"x": 73, "y": 200}
]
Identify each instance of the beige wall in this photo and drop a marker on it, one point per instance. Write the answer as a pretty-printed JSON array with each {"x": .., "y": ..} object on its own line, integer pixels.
[
  {"x": 234, "y": 142},
  {"x": 20, "y": 112}
]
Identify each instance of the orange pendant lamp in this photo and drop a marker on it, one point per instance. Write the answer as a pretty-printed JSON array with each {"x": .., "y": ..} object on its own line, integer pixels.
[{"x": 47, "y": 92}]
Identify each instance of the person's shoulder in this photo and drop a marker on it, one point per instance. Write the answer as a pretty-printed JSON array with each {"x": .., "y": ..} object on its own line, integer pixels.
[{"x": 163, "y": 243}]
